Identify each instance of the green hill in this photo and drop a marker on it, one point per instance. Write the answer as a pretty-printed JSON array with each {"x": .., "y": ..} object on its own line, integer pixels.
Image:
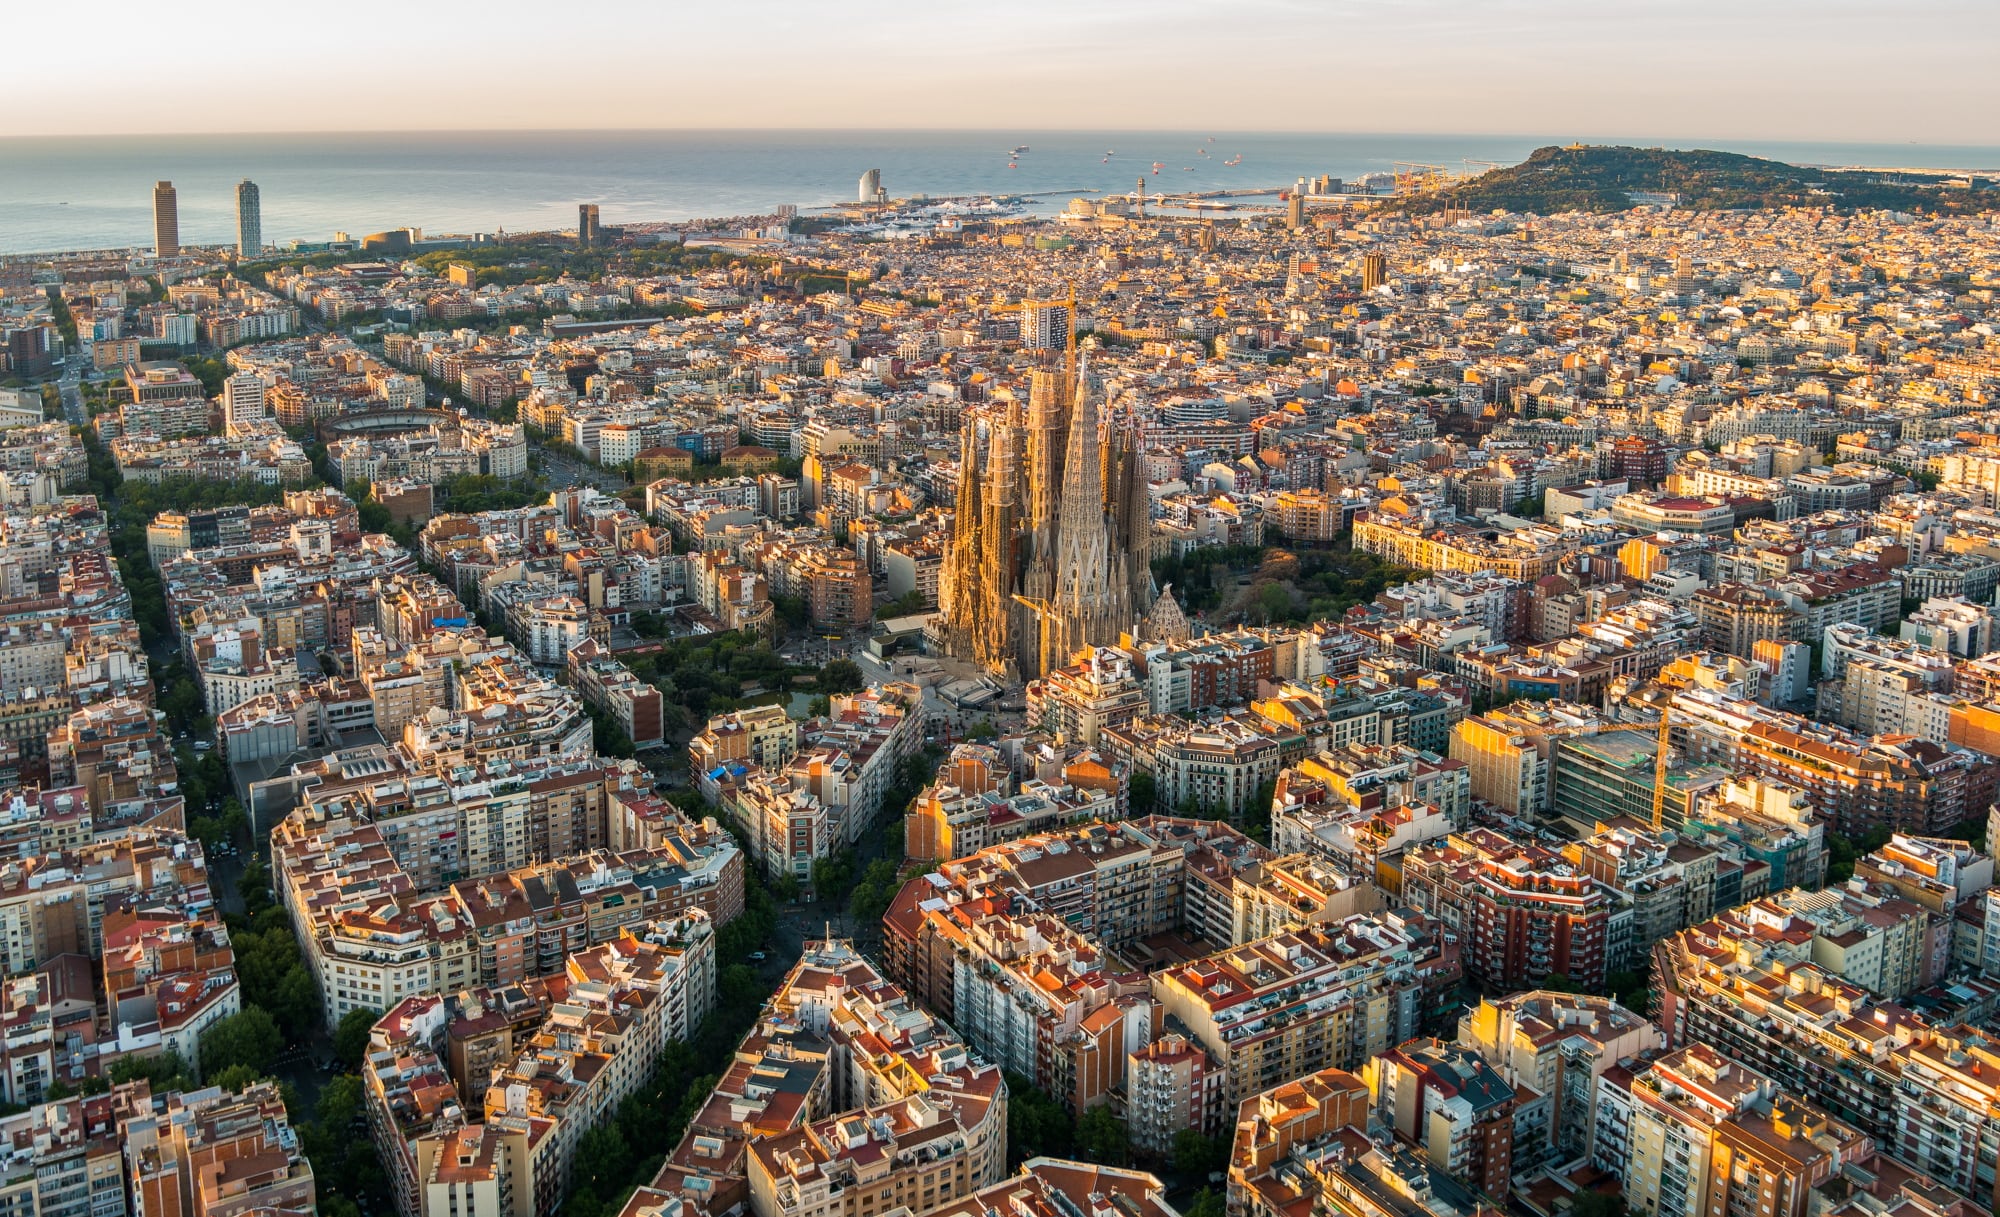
[{"x": 1601, "y": 179}]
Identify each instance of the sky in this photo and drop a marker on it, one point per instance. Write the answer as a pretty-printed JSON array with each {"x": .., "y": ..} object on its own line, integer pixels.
[{"x": 1825, "y": 70}]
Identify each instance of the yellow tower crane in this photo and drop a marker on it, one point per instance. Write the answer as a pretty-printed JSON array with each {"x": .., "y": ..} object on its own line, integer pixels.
[{"x": 1660, "y": 768}]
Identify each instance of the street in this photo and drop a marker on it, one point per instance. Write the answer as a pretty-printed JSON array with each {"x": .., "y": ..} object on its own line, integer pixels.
[{"x": 72, "y": 395}]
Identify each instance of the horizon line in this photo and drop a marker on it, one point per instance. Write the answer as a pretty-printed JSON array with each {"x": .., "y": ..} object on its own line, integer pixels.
[{"x": 1633, "y": 140}]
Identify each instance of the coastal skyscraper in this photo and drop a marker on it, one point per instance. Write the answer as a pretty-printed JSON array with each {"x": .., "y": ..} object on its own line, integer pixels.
[
  {"x": 589, "y": 232},
  {"x": 1295, "y": 210},
  {"x": 871, "y": 186},
  {"x": 249, "y": 220},
  {"x": 166, "y": 220}
]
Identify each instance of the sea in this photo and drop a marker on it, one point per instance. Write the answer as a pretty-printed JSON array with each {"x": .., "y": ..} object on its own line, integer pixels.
[{"x": 74, "y": 193}]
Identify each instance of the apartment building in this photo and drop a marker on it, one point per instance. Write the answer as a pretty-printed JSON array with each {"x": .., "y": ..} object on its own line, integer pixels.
[
  {"x": 1303, "y": 1145},
  {"x": 1295, "y": 891},
  {"x": 1054, "y": 1187},
  {"x": 1665, "y": 883},
  {"x": 167, "y": 978},
  {"x": 544, "y": 1066},
  {"x": 1710, "y": 1135},
  {"x": 764, "y": 736},
  {"x": 1078, "y": 702},
  {"x": 1770, "y": 824},
  {"x": 373, "y": 937},
  {"x": 1447, "y": 1101},
  {"x": 67, "y": 1157},
  {"x": 1524, "y": 912},
  {"x": 1335, "y": 995},
  {"x": 828, "y": 793},
  {"x": 636, "y": 706},
  {"x": 626, "y": 999},
  {"x": 909, "y": 1154},
  {"x": 1216, "y": 768},
  {"x": 1745, "y": 984},
  {"x": 842, "y": 1079},
  {"x": 1559, "y": 1045},
  {"x": 1171, "y": 1085},
  {"x": 1508, "y": 752},
  {"x": 975, "y": 803},
  {"x": 213, "y": 1152},
  {"x": 54, "y": 903}
]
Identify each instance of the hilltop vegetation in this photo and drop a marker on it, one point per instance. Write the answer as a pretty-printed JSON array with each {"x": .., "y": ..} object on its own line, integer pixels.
[{"x": 1600, "y": 179}]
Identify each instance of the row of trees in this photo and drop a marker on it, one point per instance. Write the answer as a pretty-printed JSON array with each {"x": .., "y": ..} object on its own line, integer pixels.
[
  {"x": 281, "y": 1005},
  {"x": 618, "y": 1157},
  {"x": 869, "y": 890},
  {"x": 1038, "y": 1126}
]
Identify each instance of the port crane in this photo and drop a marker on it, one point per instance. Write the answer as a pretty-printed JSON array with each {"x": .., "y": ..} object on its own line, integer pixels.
[{"x": 1416, "y": 177}]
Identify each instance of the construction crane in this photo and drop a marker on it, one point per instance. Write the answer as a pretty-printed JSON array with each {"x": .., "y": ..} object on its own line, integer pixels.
[{"x": 1660, "y": 768}]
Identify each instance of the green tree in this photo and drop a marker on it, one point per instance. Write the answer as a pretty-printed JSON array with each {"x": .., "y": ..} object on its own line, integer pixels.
[
  {"x": 207, "y": 830},
  {"x": 1144, "y": 793},
  {"x": 1037, "y": 1125},
  {"x": 297, "y": 1001},
  {"x": 340, "y": 1105},
  {"x": 873, "y": 894},
  {"x": 1630, "y": 989},
  {"x": 833, "y": 875},
  {"x": 602, "y": 1160},
  {"x": 841, "y": 676},
  {"x": 1101, "y": 1137},
  {"x": 235, "y": 1078},
  {"x": 248, "y": 1037},
  {"x": 1206, "y": 1203},
  {"x": 211, "y": 373},
  {"x": 235, "y": 820},
  {"x": 350, "y": 1038},
  {"x": 1197, "y": 1156},
  {"x": 1597, "y": 1204},
  {"x": 252, "y": 884},
  {"x": 1276, "y": 601},
  {"x": 902, "y": 606},
  {"x": 182, "y": 703},
  {"x": 165, "y": 1072}
]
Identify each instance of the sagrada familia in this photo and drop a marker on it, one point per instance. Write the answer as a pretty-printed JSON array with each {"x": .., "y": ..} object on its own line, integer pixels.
[{"x": 1050, "y": 546}]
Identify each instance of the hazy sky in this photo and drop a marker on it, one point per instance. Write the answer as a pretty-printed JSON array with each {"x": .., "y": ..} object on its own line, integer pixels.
[{"x": 1831, "y": 70}]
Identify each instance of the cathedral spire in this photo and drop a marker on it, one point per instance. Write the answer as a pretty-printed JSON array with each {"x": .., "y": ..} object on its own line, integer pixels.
[{"x": 1088, "y": 607}]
